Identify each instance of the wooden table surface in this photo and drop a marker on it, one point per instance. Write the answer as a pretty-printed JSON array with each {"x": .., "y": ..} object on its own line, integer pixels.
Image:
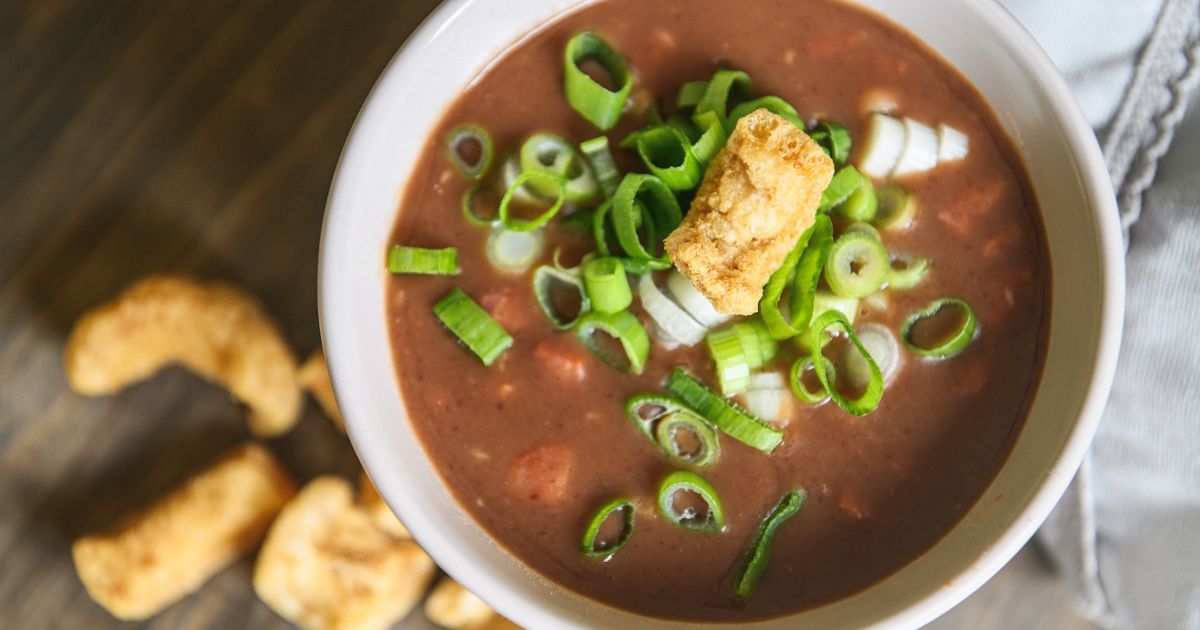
[{"x": 194, "y": 137}]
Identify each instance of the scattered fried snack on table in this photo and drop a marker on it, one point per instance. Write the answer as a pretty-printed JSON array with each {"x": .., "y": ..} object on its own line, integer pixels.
[
  {"x": 314, "y": 377},
  {"x": 169, "y": 550},
  {"x": 759, "y": 194},
  {"x": 450, "y": 605},
  {"x": 378, "y": 509},
  {"x": 214, "y": 329},
  {"x": 326, "y": 565}
]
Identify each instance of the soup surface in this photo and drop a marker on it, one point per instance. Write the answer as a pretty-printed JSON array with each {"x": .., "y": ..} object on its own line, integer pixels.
[{"x": 533, "y": 444}]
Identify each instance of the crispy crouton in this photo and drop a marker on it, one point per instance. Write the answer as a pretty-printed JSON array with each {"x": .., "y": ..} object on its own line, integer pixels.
[
  {"x": 326, "y": 565},
  {"x": 314, "y": 377},
  {"x": 170, "y": 549},
  {"x": 213, "y": 329},
  {"x": 378, "y": 509},
  {"x": 450, "y": 605},
  {"x": 758, "y": 196}
]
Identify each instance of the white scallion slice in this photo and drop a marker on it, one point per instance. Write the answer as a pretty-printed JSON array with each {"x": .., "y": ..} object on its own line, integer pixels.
[
  {"x": 882, "y": 147},
  {"x": 693, "y": 301},
  {"x": 883, "y": 347},
  {"x": 952, "y": 144},
  {"x": 920, "y": 149},
  {"x": 509, "y": 172},
  {"x": 668, "y": 317},
  {"x": 514, "y": 252},
  {"x": 768, "y": 396}
]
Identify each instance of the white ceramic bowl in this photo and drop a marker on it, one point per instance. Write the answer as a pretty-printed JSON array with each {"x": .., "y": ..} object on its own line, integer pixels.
[{"x": 1087, "y": 256}]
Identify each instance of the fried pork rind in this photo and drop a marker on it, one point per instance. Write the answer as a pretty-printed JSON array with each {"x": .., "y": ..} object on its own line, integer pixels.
[
  {"x": 326, "y": 565},
  {"x": 169, "y": 550},
  {"x": 378, "y": 509},
  {"x": 314, "y": 377},
  {"x": 213, "y": 329},
  {"x": 450, "y": 605},
  {"x": 759, "y": 194}
]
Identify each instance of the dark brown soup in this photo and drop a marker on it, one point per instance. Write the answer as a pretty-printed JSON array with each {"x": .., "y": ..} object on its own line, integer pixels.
[{"x": 535, "y": 443}]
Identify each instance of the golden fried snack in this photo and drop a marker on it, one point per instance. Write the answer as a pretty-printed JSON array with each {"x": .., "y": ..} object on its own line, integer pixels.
[
  {"x": 378, "y": 509},
  {"x": 213, "y": 329},
  {"x": 314, "y": 377},
  {"x": 450, "y": 605},
  {"x": 326, "y": 565},
  {"x": 758, "y": 196},
  {"x": 169, "y": 550}
]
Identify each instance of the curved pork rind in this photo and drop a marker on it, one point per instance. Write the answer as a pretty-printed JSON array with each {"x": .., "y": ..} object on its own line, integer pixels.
[
  {"x": 450, "y": 605},
  {"x": 314, "y": 378},
  {"x": 213, "y": 329},
  {"x": 326, "y": 565}
]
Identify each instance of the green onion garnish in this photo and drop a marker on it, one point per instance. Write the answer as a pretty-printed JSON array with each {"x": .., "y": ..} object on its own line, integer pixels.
[
  {"x": 801, "y": 270},
  {"x": 756, "y": 558},
  {"x": 643, "y": 201},
  {"x": 514, "y": 252},
  {"x": 524, "y": 225},
  {"x": 607, "y": 286},
  {"x": 546, "y": 280},
  {"x": 645, "y": 410},
  {"x": 593, "y": 548},
  {"x": 862, "y": 204},
  {"x": 548, "y": 153},
  {"x": 625, "y": 328},
  {"x": 845, "y": 181},
  {"x": 458, "y": 142},
  {"x": 872, "y": 394},
  {"x": 727, "y": 416},
  {"x": 796, "y": 380},
  {"x": 435, "y": 262},
  {"x": 703, "y": 453},
  {"x": 667, "y": 153},
  {"x": 858, "y": 265},
  {"x": 907, "y": 270},
  {"x": 956, "y": 342},
  {"x": 712, "y": 137},
  {"x": 757, "y": 340},
  {"x": 773, "y": 104},
  {"x": 687, "y": 481},
  {"x": 834, "y": 140},
  {"x": 468, "y": 208},
  {"x": 690, "y": 94},
  {"x": 603, "y": 167},
  {"x": 865, "y": 228},
  {"x": 473, "y": 326},
  {"x": 599, "y": 105},
  {"x": 897, "y": 208},
  {"x": 719, "y": 89},
  {"x": 733, "y": 367}
]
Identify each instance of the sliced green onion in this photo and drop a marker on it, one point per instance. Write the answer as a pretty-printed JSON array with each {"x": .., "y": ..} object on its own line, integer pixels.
[
  {"x": 672, "y": 325},
  {"x": 589, "y": 543},
  {"x": 796, "y": 380},
  {"x": 881, "y": 344},
  {"x": 514, "y": 252},
  {"x": 679, "y": 123},
  {"x": 834, "y": 140},
  {"x": 865, "y": 228},
  {"x": 907, "y": 270},
  {"x": 756, "y": 558},
  {"x": 717, "y": 93},
  {"x": 418, "y": 260},
  {"x": 548, "y": 153},
  {"x": 773, "y": 104},
  {"x": 668, "y": 155},
  {"x": 872, "y": 393},
  {"x": 524, "y": 225},
  {"x": 707, "y": 449},
  {"x": 607, "y": 286},
  {"x": 599, "y": 105},
  {"x": 858, "y": 265},
  {"x": 690, "y": 94},
  {"x": 955, "y": 342},
  {"x": 625, "y": 328},
  {"x": 727, "y": 416},
  {"x": 897, "y": 208},
  {"x": 659, "y": 205},
  {"x": 760, "y": 346},
  {"x": 473, "y": 326},
  {"x": 546, "y": 279},
  {"x": 733, "y": 367},
  {"x": 694, "y": 302},
  {"x": 712, "y": 137},
  {"x": 687, "y": 481},
  {"x": 800, "y": 271},
  {"x": 826, "y": 301},
  {"x": 468, "y": 208},
  {"x": 845, "y": 181},
  {"x": 646, "y": 410},
  {"x": 603, "y": 167},
  {"x": 454, "y": 151},
  {"x": 862, "y": 204}
]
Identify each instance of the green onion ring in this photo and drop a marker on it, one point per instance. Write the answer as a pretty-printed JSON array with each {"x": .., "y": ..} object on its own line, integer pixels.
[
  {"x": 603, "y": 167},
  {"x": 733, "y": 367},
  {"x": 956, "y": 343},
  {"x": 897, "y": 208},
  {"x": 667, "y": 153},
  {"x": 862, "y": 204},
  {"x": 796, "y": 380},
  {"x": 663, "y": 210},
  {"x": 468, "y": 208},
  {"x": 802, "y": 270},
  {"x": 544, "y": 280},
  {"x": 712, "y": 139},
  {"x": 465, "y": 133},
  {"x": 755, "y": 561},
  {"x": 514, "y": 252},
  {"x": 625, "y": 328},
  {"x": 548, "y": 153},
  {"x": 690, "y": 94},
  {"x": 659, "y": 406},
  {"x": 599, "y": 105},
  {"x": 773, "y": 104},
  {"x": 473, "y": 326},
  {"x": 588, "y": 544},
  {"x": 912, "y": 273},
  {"x": 718, "y": 90},
  {"x": 727, "y": 416},
  {"x": 607, "y": 287},
  {"x": 834, "y": 140},
  {"x": 858, "y": 265},
  {"x": 669, "y": 425},
  {"x": 686, "y": 480},
  {"x": 679, "y": 123},
  {"x": 845, "y": 181},
  {"x": 865, "y": 228},
  {"x": 757, "y": 340},
  {"x": 815, "y": 340},
  {"x": 419, "y": 260},
  {"x": 525, "y": 225}
]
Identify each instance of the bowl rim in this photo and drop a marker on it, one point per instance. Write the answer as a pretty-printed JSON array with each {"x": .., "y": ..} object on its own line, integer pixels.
[{"x": 1096, "y": 184}]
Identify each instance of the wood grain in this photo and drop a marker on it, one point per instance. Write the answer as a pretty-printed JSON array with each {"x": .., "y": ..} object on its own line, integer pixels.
[{"x": 196, "y": 137}]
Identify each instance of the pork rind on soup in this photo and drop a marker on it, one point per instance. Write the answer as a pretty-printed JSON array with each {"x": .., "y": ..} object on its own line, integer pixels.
[
  {"x": 758, "y": 196},
  {"x": 216, "y": 330},
  {"x": 167, "y": 551},
  {"x": 326, "y": 565}
]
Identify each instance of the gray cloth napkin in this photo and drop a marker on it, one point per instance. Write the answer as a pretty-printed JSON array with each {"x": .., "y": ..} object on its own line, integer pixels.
[{"x": 1127, "y": 533}]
